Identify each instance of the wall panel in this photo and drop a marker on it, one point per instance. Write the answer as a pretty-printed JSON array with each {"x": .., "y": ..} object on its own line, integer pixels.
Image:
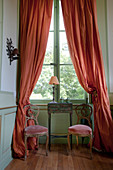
[
  {"x": 7, "y": 120},
  {"x": 8, "y": 72},
  {"x": 110, "y": 41}
]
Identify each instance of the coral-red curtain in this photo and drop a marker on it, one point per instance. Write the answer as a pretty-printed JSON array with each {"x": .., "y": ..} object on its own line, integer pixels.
[
  {"x": 35, "y": 17},
  {"x": 80, "y": 20}
]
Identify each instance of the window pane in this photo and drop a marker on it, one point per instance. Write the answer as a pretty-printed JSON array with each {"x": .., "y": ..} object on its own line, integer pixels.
[
  {"x": 49, "y": 50},
  {"x": 52, "y": 20},
  {"x": 64, "y": 51},
  {"x": 61, "y": 17},
  {"x": 42, "y": 89},
  {"x": 69, "y": 85}
]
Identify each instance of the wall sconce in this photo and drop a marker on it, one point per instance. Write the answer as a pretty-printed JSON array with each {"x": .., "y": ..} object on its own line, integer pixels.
[{"x": 11, "y": 51}]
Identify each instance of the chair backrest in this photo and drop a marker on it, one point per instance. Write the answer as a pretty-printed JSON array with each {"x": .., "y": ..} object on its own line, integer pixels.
[
  {"x": 31, "y": 113},
  {"x": 84, "y": 111}
]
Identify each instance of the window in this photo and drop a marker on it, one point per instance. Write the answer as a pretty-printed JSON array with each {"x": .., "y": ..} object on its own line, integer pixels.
[{"x": 58, "y": 62}]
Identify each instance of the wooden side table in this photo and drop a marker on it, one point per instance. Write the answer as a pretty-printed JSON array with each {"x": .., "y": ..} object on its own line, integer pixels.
[{"x": 55, "y": 108}]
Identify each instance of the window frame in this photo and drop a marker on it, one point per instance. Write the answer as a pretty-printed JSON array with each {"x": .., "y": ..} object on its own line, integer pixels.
[{"x": 56, "y": 60}]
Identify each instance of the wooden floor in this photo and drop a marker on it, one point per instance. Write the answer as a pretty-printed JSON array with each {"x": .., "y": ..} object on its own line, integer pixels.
[{"x": 59, "y": 159}]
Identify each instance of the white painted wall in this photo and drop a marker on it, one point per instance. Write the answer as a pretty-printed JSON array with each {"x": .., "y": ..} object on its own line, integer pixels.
[
  {"x": 8, "y": 72},
  {"x": 110, "y": 41},
  {"x": 101, "y": 18}
]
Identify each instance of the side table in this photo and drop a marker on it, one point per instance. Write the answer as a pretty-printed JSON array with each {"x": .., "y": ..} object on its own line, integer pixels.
[{"x": 55, "y": 108}]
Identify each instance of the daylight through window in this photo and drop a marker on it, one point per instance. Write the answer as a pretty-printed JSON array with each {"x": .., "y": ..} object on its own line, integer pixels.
[{"x": 58, "y": 62}]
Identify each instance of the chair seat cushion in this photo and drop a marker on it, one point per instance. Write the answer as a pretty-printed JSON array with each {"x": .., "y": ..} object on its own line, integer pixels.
[
  {"x": 35, "y": 129},
  {"x": 80, "y": 129}
]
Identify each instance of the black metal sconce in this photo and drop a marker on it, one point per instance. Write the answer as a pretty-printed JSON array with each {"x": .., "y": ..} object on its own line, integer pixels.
[{"x": 11, "y": 51}]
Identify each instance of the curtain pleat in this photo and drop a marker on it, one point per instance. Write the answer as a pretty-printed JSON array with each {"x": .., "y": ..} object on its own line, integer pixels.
[{"x": 35, "y": 17}]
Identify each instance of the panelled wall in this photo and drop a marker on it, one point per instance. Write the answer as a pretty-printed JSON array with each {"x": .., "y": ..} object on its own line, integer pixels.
[
  {"x": 1, "y": 23},
  {"x": 109, "y": 4},
  {"x": 102, "y": 26},
  {"x": 8, "y": 29},
  {"x": 7, "y": 119}
]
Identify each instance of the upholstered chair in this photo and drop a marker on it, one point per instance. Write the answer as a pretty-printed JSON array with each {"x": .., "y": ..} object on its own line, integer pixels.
[
  {"x": 83, "y": 111},
  {"x": 36, "y": 130}
]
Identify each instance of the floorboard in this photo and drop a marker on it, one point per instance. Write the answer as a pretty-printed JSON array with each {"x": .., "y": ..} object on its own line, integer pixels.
[{"x": 59, "y": 158}]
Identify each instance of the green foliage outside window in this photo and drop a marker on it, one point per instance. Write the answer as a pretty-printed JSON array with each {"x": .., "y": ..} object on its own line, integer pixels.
[
  {"x": 57, "y": 51},
  {"x": 69, "y": 85}
]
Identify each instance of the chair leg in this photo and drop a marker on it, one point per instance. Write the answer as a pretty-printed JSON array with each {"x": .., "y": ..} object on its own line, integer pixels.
[
  {"x": 91, "y": 146},
  {"x": 25, "y": 141},
  {"x": 47, "y": 145},
  {"x": 37, "y": 142},
  {"x": 77, "y": 140},
  {"x": 68, "y": 141}
]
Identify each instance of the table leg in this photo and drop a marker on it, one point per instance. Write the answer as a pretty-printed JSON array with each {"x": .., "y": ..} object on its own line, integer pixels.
[
  {"x": 71, "y": 125},
  {"x": 49, "y": 131}
]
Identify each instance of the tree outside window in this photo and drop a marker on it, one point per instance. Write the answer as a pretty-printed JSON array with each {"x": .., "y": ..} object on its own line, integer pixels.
[{"x": 58, "y": 62}]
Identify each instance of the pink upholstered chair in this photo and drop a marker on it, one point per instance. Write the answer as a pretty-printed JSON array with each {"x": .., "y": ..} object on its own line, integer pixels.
[
  {"x": 83, "y": 111},
  {"x": 32, "y": 112}
]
